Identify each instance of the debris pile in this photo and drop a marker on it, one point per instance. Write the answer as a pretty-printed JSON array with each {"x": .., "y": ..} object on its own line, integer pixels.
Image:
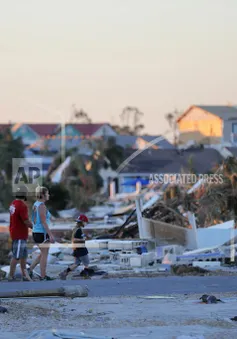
[
  {"x": 217, "y": 202},
  {"x": 213, "y": 202},
  {"x": 188, "y": 270},
  {"x": 169, "y": 211}
]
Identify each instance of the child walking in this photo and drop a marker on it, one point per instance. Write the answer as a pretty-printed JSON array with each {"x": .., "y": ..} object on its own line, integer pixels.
[{"x": 80, "y": 252}]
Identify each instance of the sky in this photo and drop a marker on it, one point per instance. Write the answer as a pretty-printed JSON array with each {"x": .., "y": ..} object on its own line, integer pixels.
[{"x": 103, "y": 55}]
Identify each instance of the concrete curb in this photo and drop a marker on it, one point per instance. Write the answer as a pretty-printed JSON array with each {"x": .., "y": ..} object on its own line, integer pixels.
[{"x": 67, "y": 291}]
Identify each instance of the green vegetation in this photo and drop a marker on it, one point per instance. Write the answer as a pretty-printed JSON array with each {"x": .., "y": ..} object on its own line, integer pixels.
[{"x": 9, "y": 148}]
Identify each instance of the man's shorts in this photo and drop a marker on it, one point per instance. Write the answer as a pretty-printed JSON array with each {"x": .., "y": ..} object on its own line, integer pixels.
[
  {"x": 83, "y": 260},
  {"x": 19, "y": 249}
]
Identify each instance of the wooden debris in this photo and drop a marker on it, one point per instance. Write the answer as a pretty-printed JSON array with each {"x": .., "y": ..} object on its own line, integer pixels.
[
  {"x": 167, "y": 212},
  {"x": 212, "y": 203}
]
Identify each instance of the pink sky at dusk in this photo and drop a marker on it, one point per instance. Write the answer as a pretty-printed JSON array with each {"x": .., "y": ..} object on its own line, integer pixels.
[{"x": 103, "y": 55}]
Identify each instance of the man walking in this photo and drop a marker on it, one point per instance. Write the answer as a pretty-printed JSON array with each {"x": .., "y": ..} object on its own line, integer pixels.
[{"x": 19, "y": 224}]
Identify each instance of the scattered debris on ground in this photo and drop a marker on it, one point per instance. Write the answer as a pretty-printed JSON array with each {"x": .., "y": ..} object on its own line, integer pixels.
[
  {"x": 122, "y": 317},
  {"x": 210, "y": 299},
  {"x": 115, "y": 233},
  {"x": 188, "y": 270},
  {"x": 3, "y": 309}
]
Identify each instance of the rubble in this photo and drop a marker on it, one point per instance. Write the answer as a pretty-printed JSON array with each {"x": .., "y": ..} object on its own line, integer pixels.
[
  {"x": 167, "y": 212},
  {"x": 213, "y": 203},
  {"x": 188, "y": 270},
  {"x": 116, "y": 235}
]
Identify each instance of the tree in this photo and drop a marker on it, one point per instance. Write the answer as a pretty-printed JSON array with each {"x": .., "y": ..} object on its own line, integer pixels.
[
  {"x": 135, "y": 127},
  {"x": 82, "y": 176},
  {"x": 114, "y": 153},
  {"x": 170, "y": 118},
  {"x": 122, "y": 130},
  {"x": 10, "y": 148},
  {"x": 80, "y": 115},
  {"x": 172, "y": 121},
  {"x": 59, "y": 196},
  {"x": 82, "y": 181}
]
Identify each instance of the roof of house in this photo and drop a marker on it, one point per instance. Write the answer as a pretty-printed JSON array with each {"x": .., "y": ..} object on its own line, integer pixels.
[
  {"x": 88, "y": 129},
  {"x": 54, "y": 144},
  {"x": 233, "y": 150},
  {"x": 172, "y": 161},
  {"x": 163, "y": 143},
  {"x": 129, "y": 141},
  {"x": 44, "y": 129},
  {"x": 220, "y": 111},
  {"x": 203, "y": 160},
  {"x": 152, "y": 161}
]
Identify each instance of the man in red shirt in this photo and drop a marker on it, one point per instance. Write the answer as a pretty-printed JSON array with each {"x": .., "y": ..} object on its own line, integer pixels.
[{"x": 19, "y": 224}]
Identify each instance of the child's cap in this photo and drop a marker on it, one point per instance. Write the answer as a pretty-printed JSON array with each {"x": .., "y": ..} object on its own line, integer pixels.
[{"x": 82, "y": 218}]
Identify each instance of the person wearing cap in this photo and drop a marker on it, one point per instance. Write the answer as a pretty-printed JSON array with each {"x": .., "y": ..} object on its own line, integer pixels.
[
  {"x": 80, "y": 252},
  {"x": 19, "y": 230}
]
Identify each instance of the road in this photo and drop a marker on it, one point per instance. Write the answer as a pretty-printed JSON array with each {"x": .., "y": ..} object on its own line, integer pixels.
[{"x": 138, "y": 286}]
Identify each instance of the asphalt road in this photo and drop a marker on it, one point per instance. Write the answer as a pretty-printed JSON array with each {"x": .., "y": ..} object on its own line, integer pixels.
[{"x": 137, "y": 286}]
